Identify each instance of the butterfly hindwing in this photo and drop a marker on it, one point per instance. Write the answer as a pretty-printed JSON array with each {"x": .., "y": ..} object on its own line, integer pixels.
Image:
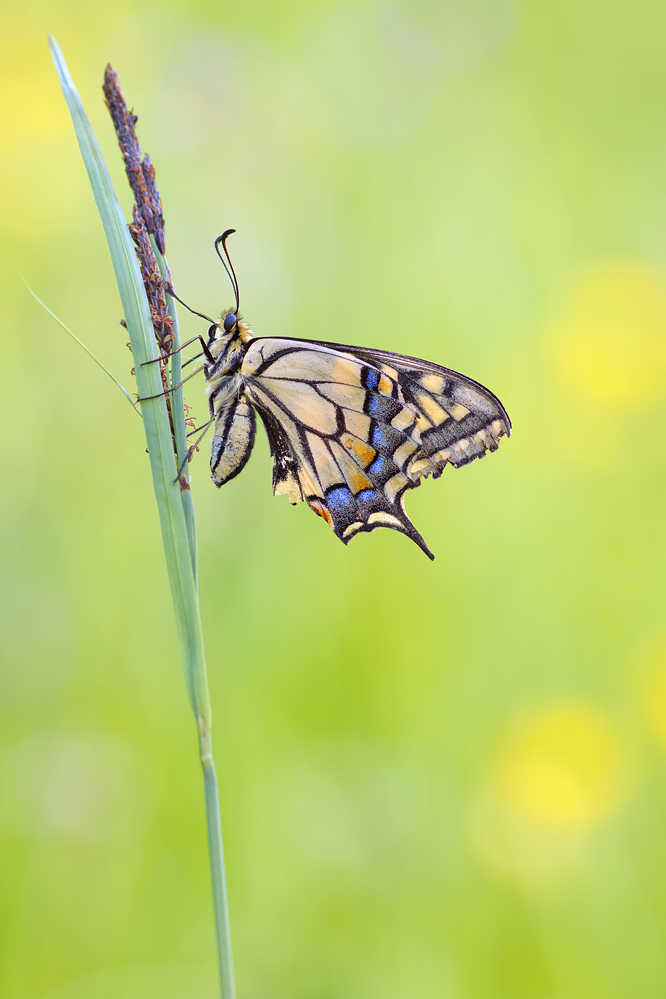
[{"x": 351, "y": 429}]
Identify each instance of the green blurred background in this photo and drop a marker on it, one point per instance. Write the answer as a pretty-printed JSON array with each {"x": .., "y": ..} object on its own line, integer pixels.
[{"x": 438, "y": 780}]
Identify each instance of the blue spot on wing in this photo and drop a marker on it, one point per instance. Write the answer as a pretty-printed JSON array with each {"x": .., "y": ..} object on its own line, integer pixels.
[
  {"x": 382, "y": 466},
  {"x": 381, "y": 407},
  {"x": 339, "y": 499},
  {"x": 367, "y": 501},
  {"x": 373, "y": 405},
  {"x": 378, "y": 438},
  {"x": 371, "y": 378}
]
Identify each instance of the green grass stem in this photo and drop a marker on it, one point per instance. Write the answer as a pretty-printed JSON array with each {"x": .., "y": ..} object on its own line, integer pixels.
[{"x": 174, "y": 512}]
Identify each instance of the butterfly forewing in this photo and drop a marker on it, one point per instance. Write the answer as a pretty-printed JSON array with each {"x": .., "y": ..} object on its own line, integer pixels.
[{"x": 350, "y": 429}]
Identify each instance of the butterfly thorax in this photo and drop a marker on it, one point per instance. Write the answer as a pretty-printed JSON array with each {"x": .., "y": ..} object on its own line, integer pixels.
[{"x": 222, "y": 376}]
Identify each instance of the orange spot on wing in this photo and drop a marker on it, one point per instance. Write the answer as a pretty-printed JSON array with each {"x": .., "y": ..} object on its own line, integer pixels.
[
  {"x": 365, "y": 453},
  {"x": 321, "y": 510},
  {"x": 359, "y": 481}
]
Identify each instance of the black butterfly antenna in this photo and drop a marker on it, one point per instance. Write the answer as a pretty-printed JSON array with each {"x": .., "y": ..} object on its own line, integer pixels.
[
  {"x": 228, "y": 266},
  {"x": 202, "y": 315}
]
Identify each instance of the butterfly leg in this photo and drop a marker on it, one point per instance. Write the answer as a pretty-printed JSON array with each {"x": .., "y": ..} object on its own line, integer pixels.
[
  {"x": 206, "y": 351},
  {"x": 173, "y": 388},
  {"x": 193, "y": 447}
]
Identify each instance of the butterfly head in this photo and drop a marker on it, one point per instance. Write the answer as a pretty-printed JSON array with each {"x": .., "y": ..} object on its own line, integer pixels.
[
  {"x": 230, "y": 326},
  {"x": 227, "y": 341}
]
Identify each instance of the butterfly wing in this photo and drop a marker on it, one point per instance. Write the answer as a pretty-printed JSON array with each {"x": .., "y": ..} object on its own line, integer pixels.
[
  {"x": 459, "y": 419},
  {"x": 351, "y": 429}
]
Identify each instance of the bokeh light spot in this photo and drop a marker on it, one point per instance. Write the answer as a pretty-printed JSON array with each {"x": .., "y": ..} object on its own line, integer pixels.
[
  {"x": 555, "y": 778},
  {"x": 562, "y": 768},
  {"x": 609, "y": 342}
]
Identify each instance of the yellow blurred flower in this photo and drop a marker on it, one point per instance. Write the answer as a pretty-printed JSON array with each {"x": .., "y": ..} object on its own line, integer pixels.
[
  {"x": 558, "y": 775},
  {"x": 610, "y": 342},
  {"x": 605, "y": 351}
]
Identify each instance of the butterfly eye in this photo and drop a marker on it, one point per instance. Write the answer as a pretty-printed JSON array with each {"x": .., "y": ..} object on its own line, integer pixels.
[{"x": 229, "y": 322}]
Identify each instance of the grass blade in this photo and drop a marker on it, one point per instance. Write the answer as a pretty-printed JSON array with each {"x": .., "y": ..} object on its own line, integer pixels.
[{"x": 175, "y": 535}]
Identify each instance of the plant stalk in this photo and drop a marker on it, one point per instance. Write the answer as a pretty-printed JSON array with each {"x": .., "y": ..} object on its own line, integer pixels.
[{"x": 175, "y": 508}]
